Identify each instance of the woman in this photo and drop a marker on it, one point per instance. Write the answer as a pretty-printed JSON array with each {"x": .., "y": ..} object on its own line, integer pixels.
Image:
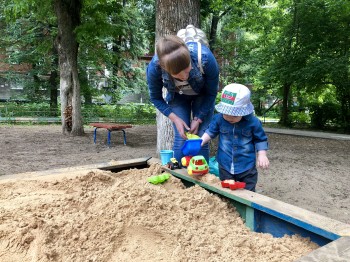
[{"x": 190, "y": 98}]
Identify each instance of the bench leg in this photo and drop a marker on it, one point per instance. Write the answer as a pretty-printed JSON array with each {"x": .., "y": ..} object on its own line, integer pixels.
[
  {"x": 109, "y": 138},
  {"x": 95, "y": 135},
  {"x": 124, "y": 137}
]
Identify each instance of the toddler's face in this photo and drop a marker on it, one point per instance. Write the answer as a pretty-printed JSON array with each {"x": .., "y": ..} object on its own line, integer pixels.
[{"x": 232, "y": 119}]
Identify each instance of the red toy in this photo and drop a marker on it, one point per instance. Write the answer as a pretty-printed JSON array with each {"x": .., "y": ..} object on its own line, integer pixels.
[
  {"x": 185, "y": 161},
  {"x": 233, "y": 186}
]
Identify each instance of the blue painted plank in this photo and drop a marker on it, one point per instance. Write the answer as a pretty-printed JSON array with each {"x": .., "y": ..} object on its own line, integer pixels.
[
  {"x": 277, "y": 227},
  {"x": 293, "y": 221},
  {"x": 264, "y": 214}
]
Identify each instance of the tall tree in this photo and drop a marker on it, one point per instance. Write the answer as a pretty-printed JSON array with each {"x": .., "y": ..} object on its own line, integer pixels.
[
  {"x": 68, "y": 18},
  {"x": 171, "y": 16},
  {"x": 325, "y": 43},
  {"x": 28, "y": 39},
  {"x": 86, "y": 31},
  {"x": 310, "y": 52},
  {"x": 111, "y": 38}
]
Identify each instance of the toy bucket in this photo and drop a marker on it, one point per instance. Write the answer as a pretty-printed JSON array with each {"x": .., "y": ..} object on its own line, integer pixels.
[
  {"x": 165, "y": 156},
  {"x": 191, "y": 147}
]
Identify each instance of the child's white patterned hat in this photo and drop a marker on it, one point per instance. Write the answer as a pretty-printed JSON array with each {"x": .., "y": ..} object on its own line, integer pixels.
[{"x": 235, "y": 101}]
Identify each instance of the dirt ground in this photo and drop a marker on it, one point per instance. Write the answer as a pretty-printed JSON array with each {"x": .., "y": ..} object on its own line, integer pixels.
[
  {"x": 102, "y": 216},
  {"x": 311, "y": 173}
]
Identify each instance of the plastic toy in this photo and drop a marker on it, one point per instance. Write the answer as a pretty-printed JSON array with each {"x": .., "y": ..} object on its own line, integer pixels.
[
  {"x": 185, "y": 160},
  {"x": 191, "y": 147},
  {"x": 198, "y": 166},
  {"x": 158, "y": 179},
  {"x": 191, "y": 136},
  {"x": 173, "y": 164},
  {"x": 213, "y": 166},
  {"x": 233, "y": 186}
]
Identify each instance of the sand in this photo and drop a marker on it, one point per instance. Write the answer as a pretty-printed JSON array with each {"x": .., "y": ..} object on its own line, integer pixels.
[
  {"x": 311, "y": 173},
  {"x": 102, "y": 216}
]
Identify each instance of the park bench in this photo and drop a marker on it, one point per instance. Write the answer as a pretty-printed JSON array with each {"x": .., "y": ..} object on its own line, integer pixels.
[{"x": 110, "y": 127}]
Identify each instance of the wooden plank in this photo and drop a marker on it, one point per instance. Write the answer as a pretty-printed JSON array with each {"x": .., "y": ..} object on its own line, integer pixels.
[
  {"x": 336, "y": 251},
  {"x": 250, "y": 218},
  {"x": 111, "y": 126},
  {"x": 324, "y": 226},
  {"x": 182, "y": 173},
  {"x": 78, "y": 169}
]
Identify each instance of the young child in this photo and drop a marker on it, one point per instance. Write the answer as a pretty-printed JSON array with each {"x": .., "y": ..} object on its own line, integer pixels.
[{"x": 241, "y": 137}]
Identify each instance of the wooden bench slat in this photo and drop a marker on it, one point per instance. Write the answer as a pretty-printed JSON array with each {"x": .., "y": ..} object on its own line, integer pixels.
[{"x": 110, "y": 127}]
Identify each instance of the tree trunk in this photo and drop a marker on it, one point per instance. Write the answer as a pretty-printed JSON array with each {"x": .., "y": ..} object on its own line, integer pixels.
[
  {"x": 213, "y": 30},
  {"x": 285, "y": 105},
  {"x": 171, "y": 16},
  {"x": 343, "y": 93},
  {"x": 53, "y": 92},
  {"x": 68, "y": 18},
  {"x": 53, "y": 83}
]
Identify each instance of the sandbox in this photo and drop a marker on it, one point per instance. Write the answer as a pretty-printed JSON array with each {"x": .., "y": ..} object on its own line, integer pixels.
[{"x": 109, "y": 212}]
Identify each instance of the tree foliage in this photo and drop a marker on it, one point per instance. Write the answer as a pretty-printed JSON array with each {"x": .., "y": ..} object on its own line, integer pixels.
[
  {"x": 110, "y": 35},
  {"x": 295, "y": 51},
  {"x": 311, "y": 51},
  {"x": 288, "y": 49}
]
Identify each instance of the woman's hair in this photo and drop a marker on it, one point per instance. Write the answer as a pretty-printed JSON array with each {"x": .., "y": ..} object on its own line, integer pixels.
[{"x": 173, "y": 54}]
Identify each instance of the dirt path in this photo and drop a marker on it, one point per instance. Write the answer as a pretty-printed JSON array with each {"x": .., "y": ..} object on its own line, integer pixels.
[{"x": 311, "y": 173}]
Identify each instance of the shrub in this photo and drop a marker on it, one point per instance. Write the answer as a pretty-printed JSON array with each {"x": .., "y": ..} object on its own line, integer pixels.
[
  {"x": 300, "y": 119},
  {"x": 326, "y": 115}
]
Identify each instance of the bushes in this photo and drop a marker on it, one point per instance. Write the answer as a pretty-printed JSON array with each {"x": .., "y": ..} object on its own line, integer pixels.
[
  {"x": 300, "y": 119},
  {"x": 322, "y": 116},
  {"x": 325, "y": 116},
  {"x": 131, "y": 113},
  {"x": 23, "y": 109}
]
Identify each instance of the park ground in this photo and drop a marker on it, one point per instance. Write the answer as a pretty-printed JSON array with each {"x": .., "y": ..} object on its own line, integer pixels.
[{"x": 312, "y": 173}]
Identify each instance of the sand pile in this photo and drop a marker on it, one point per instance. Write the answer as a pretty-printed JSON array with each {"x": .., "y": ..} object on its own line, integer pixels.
[{"x": 103, "y": 216}]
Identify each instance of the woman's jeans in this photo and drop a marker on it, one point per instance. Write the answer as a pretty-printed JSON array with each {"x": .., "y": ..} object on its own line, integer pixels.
[{"x": 186, "y": 107}]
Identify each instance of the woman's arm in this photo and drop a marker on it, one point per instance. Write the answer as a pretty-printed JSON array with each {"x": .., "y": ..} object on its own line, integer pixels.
[{"x": 155, "y": 87}]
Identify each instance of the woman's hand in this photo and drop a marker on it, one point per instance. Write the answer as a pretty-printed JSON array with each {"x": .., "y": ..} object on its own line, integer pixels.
[
  {"x": 181, "y": 126},
  {"x": 195, "y": 125}
]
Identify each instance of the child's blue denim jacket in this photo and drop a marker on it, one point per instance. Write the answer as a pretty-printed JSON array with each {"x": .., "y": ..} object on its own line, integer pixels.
[
  {"x": 206, "y": 84},
  {"x": 238, "y": 143}
]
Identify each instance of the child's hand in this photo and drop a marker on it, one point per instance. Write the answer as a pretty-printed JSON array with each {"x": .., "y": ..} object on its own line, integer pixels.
[
  {"x": 263, "y": 161},
  {"x": 205, "y": 139}
]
